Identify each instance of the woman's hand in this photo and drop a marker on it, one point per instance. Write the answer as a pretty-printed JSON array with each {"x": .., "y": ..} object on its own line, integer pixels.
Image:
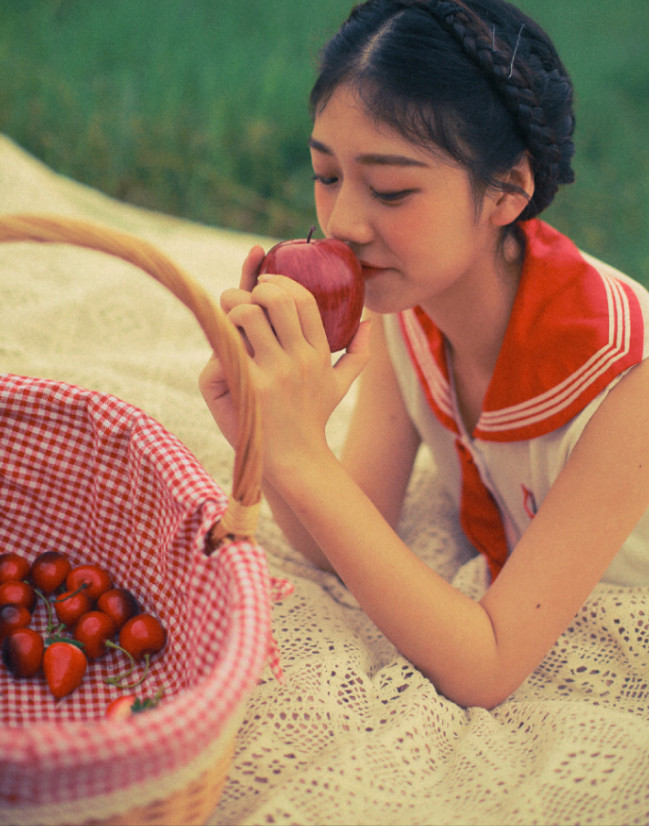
[
  {"x": 212, "y": 378},
  {"x": 297, "y": 385},
  {"x": 291, "y": 367}
]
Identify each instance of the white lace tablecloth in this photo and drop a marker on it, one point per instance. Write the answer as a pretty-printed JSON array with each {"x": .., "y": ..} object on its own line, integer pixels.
[{"x": 355, "y": 734}]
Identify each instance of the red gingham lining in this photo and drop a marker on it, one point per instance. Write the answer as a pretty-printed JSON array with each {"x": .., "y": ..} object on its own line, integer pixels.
[{"x": 86, "y": 473}]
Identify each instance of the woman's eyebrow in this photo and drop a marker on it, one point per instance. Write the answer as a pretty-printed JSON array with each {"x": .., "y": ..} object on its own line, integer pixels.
[
  {"x": 377, "y": 159},
  {"x": 319, "y": 147},
  {"x": 372, "y": 158}
]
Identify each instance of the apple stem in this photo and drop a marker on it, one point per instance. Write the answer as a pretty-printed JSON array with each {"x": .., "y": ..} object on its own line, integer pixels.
[{"x": 309, "y": 236}]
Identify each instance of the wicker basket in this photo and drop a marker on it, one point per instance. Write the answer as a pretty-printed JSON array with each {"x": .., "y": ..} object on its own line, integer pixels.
[{"x": 90, "y": 474}]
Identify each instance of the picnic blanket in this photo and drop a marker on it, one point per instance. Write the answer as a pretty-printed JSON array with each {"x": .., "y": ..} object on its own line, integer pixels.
[{"x": 354, "y": 734}]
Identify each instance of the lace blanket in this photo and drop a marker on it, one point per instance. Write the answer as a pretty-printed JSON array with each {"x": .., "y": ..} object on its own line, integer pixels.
[{"x": 354, "y": 734}]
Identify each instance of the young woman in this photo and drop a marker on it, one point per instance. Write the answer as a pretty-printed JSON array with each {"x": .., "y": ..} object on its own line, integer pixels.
[{"x": 441, "y": 129}]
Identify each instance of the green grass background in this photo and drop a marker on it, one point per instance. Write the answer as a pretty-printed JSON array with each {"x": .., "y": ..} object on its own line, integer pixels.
[{"x": 198, "y": 107}]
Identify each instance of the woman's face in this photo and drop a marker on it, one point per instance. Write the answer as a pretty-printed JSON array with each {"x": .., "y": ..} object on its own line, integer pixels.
[{"x": 408, "y": 214}]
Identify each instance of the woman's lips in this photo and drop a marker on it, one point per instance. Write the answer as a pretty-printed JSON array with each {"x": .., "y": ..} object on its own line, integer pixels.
[{"x": 369, "y": 270}]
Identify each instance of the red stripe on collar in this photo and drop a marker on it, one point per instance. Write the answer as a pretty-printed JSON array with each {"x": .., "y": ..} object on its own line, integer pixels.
[{"x": 426, "y": 347}]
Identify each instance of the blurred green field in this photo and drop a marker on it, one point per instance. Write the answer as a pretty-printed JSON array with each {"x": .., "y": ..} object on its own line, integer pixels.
[{"x": 198, "y": 107}]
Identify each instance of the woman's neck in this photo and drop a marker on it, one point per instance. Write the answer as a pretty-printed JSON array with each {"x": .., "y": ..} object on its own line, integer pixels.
[{"x": 474, "y": 326}]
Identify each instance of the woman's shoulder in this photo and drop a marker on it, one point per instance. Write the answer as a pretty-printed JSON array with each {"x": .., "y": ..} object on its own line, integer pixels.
[
  {"x": 610, "y": 272},
  {"x": 551, "y": 253}
]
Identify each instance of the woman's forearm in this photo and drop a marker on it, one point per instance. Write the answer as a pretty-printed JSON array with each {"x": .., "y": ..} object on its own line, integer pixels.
[
  {"x": 444, "y": 633},
  {"x": 293, "y": 529}
]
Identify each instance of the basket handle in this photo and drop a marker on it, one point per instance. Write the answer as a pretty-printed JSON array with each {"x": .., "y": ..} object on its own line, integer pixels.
[{"x": 240, "y": 518}]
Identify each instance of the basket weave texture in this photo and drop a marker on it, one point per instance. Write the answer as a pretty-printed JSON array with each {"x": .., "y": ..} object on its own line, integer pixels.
[{"x": 89, "y": 474}]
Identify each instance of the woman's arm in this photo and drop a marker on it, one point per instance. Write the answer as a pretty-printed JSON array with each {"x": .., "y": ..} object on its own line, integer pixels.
[
  {"x": 591, "y": 509},
  {"x": 382, "y": 442},
  {"x": 478, "y": 653},
  {"x": 379, "y": 451}
]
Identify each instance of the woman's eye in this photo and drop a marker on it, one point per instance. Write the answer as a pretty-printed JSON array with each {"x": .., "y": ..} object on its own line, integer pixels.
[
  {"x": 324, "y": 180},
  {"x": 391, "y": 197}
]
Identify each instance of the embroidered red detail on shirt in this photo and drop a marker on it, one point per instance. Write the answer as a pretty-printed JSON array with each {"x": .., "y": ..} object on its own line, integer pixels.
[
  {"x": 529, "y": 502},
  {"x": 480, "y": 515}
]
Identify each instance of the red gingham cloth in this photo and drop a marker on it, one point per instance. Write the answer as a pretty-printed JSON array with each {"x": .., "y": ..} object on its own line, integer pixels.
[{"x": 91, "y": 475}]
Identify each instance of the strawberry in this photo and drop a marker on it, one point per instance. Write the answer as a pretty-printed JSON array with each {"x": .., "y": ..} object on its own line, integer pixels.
[
  {"x": 121, "y": 708},
  {"x": 129, "y": 704},
  {"x": 64, "y": 665}
]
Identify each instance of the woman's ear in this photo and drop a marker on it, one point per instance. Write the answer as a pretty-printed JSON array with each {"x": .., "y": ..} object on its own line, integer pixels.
[{"x": 517, "y": 191}]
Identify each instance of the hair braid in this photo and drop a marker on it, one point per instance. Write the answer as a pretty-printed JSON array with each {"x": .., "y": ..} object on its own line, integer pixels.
[
  {"x": 524, "y": 85},
  {"x": 476, "y": 78}
]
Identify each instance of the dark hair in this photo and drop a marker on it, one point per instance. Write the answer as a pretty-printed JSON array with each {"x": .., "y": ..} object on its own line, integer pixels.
[{"x": 477, "y": 78}]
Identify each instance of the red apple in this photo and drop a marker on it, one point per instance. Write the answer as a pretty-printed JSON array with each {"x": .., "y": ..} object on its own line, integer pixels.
[{"x": 330, "y": 270}]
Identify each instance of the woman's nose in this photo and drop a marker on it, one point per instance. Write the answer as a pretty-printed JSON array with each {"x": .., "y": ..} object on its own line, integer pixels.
[{"x": 348, "y": 220}]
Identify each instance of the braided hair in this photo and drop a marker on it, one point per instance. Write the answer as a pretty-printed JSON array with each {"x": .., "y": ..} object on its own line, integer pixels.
[{"x": 477, "y": 78}]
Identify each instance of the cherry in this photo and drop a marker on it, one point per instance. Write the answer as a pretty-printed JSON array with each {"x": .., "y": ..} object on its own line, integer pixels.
[
  {"x": 13, "y": 566},
  {"x": 65, "y": 658},
  {"x": 13, "y": 616},
  {"x": 94, "y": 630},
  {"x": 49, "y": 571},
  {"x": 72, "y": 605},
  {"x": 139, "y": 638},
  {"x": 118, "y": 603},
  {"x": 17, "y": 592},
  {"x": 142, "y": 635},
  {"x": 22, "y": 652},
  {"x": 95, "y": 577}
]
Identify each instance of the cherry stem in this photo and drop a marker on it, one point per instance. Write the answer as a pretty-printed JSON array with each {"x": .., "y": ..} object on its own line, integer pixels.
[
  {"x": 81, "y": 588},
  {"x": 117, "y": 681},
  {"x": 51, "y": 625},
  {"x": 309, "y": 236}
]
